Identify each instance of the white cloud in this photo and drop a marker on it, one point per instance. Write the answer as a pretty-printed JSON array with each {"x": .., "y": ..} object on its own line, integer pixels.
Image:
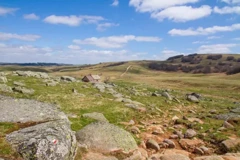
[
  {"x": 236, "y": 39},
  {"x": 4, "y": 10},
  {"x": 227, "y": 10},
  {"x": 216, "y": 48},
  {"x": 27, "y": 53},
  {"x": 74, "y": 47},
  {"x": 231, "y": 1},
  {"x": 31, "y": 16},
  {"x": 199, "y": 42},
  {"x": 165, "y": 54},
  {"x": 115, "y": 3},
  {"x": 172, "y": 9},
  {"x": 73, "y": 20},
  {"x": 104, "y": 26},
  {"x": 214, "y": 37},
  {"x": 26, "y": 37},
  {"x": 156, "y": 5},
  {"x": 115, "y": 41},
  {"x": 203, "y": 31},
  {"x": 178, "y": 13}
]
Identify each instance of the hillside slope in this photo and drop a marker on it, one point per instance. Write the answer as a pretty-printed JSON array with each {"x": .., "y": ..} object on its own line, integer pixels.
[{"x": 200, "y": 63}]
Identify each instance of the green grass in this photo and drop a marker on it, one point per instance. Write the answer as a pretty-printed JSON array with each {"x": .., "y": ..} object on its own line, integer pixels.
[{"x": 218, "y": 91}]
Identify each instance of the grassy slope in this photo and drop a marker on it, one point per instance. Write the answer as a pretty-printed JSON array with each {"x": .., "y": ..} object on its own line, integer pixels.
[{"x": 219, "y": 90}]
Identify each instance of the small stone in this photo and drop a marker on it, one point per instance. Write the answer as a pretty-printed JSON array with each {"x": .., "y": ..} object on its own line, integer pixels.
[
  {"x": 175, "y": 118},
  {"x": 230, "y": 144},
  {"x": 157, "y": 131},
  {"x": 190, "y": 133},
  {"x": 152, "y": 144},
  {"x": 167, "y": 95},
  {"x": 174, "y": 136},
  {"x": 135, "y": 130},
  {"x": 227, "y": 125},
  {"x": 190, "y": 144},
  {"x": 170, "y": 143},
  {"x": 199, "y": 151}
]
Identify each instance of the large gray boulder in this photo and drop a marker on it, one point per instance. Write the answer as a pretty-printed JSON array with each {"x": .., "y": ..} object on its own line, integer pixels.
[
  {"x": 52, "y": 140},
  {"x": 105, "y": 137},
  {"x": 24, "y": 110}
]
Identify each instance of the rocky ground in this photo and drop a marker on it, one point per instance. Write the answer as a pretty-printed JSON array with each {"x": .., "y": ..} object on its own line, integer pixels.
[{"x": 126, "y": 122}]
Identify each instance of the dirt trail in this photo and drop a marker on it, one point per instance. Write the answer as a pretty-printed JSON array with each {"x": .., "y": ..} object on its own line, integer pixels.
[{"x": 126, "y": 71}]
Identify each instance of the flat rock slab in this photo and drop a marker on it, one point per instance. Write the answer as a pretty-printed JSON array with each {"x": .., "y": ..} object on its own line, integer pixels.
[
  {"x": 52, "y": 140},
  {"x": 229, "y": 116},
  {"x": 24, "y": 110},
  {"x": 105, "y": 137}
]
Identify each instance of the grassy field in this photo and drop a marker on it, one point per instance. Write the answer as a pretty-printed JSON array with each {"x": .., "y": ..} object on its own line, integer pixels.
[{"x": 219, "y": 91}]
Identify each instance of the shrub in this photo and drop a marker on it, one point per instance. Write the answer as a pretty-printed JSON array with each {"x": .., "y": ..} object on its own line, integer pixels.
[
  {"x": 234, "y": 70},
  {"x": 214, "y": 57},
  {"x": 230, "y": 58},
  {"x": 175, "y": 57}
]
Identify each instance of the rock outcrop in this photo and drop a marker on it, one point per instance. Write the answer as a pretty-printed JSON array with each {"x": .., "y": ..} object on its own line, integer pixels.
[
  {"x": 48, "y": 135},
  {"x": 105, "y": 137}
]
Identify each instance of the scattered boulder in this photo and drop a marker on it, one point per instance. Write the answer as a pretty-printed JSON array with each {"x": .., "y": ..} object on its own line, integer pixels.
[
  {"x": 50, "y": 140},
  {"x": 192, "y": 98},
  {"x": 96, "y": 116},
  {"x": 3, "y": 79},
  {"x": 105, "y": 137},
  {"x": 167, "y": 95},
  {"x": 190, "y": 133},
  {"x": 230, "y": 144},
  {"x": 5, "y": 88},
  {"x": 190, "y": 144},
  {"x": 24, "y": 110},
  {"x": 152, "y": 144},
  {"x": 229, "y": 117},
  {"x": 227, "y": 125},
  {"x": 170, "y": 143},
  {"x": 134, "y": 130},
  {"x": 236, "y": 110},
  {"x": 2, "y": 74},
  {"x": 136, "y": 107},
  {"x": 52, "y": 84},
  {"x": 32, "y": 74},
  {"x": 20, "y": 84},
  {"x": 49, "y": 135},
  {"x": 68, "y": 79},
  {"x": 23, "y": 90}
]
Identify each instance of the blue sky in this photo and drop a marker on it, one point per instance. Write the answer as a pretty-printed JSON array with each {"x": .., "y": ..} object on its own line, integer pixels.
[{"x": 93, "y": 31}]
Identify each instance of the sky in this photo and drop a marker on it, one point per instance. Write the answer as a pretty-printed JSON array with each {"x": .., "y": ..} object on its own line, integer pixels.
[{"x": 94, "y": 31}]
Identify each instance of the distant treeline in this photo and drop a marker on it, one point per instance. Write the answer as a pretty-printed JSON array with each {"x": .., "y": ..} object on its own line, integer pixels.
[
  {"x": 35, "y": 64},
  {"x": 195, "y": 63},
  {"x": 115, "y": 64}
]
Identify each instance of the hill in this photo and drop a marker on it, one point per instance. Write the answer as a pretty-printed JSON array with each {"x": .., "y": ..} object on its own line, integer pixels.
[{"x": 200, "y": 63}]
